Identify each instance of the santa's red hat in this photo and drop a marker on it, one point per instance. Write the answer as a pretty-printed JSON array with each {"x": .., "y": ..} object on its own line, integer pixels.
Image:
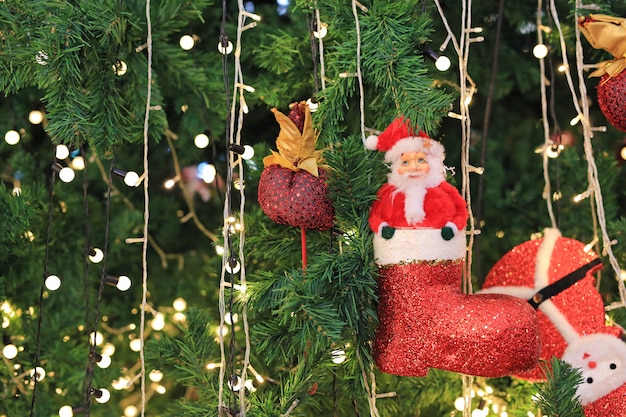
[{"x": 399, "y": 137}]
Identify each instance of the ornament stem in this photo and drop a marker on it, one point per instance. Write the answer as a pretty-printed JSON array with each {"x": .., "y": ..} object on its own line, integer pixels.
[{"x": 303, "y": 244}]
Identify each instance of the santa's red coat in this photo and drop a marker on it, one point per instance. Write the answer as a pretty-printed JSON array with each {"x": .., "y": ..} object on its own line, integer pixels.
[{"x": 442, "y": 204}]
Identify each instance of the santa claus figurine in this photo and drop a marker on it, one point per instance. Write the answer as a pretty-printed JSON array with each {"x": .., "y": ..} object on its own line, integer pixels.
[{"x": 426, "y": 321}]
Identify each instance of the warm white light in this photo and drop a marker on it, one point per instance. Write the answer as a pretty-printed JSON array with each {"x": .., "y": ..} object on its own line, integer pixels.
[
  {"x": 108, "y": 349},
  {"x": 66, "y": 174},
  {"x": 61, "y": 152},
  {"x": 338, "y": 356},
  {"x": 52, "y": 282},
  {"x": 78, "y": 163},
  {"x": 231, "y": 318},
  {"x": 96, "y": 255},
  {"x": 443, "y": 63},
  {"x": 562, "y": 68},
  {"x": 223, "y": 330},
  {"x": 131, "y": 179},
  {"x": 248, "y": 152},
  {"x": 120, "y": 68},
  {"x": 479, "y": 413},
  {"x": 622, "y": 153},
  {"x": 227, "y": 50},
  {"x": 123, "y": 283},
  {"x": 459, "y": 403},
  {"x": 66, "y": 411},
  {"x": 120, "y": 384},
  {"x": 186, "y": 42},
  {"x": 236, "y": 267},
  {"x": 179, "y": 317},
  {"x": 236, "y": 383},
  {"x": 130, "y": 411},
  {"x": 155, "y": 375},
  {"x": 575, "y": 120},
  {"x": 322, "y": 32},
  {"x": 97, "y": 338},
  {"x": 201, "y": 141},
  {"x": 207, "y": 172},
  {"x": 554, "y": 151},
  {"x": 35, "y": 117},
  {"x": 104, "y": 362},
  {"x": 219, "y": 250},
  {"x": 158, "y": 322},
  {"x": 540, "y": 51},
  {"x": 135, "y": 345},
  {"x": 39, "y": 371},
  {"x": 169, "y": 184},
  {"x": 10, "y": 351},
  {"x": 160, "y": 389},
  {"x": 105, "y": 396},
  {"x": 12, "y": 137},
  {"x": 179, "y": 304}
]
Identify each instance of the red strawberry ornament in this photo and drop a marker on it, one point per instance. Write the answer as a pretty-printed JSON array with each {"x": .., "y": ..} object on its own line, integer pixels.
[{"x": 292, "y": 189}]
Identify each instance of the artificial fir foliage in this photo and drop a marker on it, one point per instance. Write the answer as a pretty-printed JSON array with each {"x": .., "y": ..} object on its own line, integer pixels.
[{"x": 65, "y": 57}]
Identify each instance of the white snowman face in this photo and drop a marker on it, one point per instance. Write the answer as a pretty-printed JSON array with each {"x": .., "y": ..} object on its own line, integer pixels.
[{"x": 602, "y": 360}]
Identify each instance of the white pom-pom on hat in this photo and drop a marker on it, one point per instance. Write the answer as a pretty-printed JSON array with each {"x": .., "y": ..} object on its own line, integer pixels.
[{"x": 371, "y": 142}]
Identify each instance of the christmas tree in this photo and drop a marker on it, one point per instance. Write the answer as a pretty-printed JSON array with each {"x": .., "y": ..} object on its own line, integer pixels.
[{"x": 200, "y": 303}]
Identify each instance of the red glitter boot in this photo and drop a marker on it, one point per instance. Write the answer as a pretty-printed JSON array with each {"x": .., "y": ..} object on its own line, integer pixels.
[{"x": 426, "y": 321}]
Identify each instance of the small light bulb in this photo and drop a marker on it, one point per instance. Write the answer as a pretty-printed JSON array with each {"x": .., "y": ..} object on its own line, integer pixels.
[
  {"x": 96, "y": 255},
  {"x": 10, "y": 351},
  {"x": 61, "y": 152},
  {"x": 459, "y": 403},
  {"x": 155, "y": 375},
  {"x": 180, "y": 304},
  {"x": 219, "y": 250},
  {"x": 540, "y": 51},
  {"x": 135, "y": 345},
  {"x": 443, "y": 63},
  {"x": 96, "y": 338},
  {"x": 169, "y": 184},
  {"x": 131, "y": 179},
  {"x": 622, "y": 153},
  {"x": 108, "y": 349},
  {"x": 130, "y": 411},
  {"x": 248, "y": 152},
  {"x": 562, "y": 68},
  {"x": 158, "y": 323},
  {"x": 338, "y": 356},
  {"x": 35, "y": 117},
  {"x": 123, "y": 283},
  {"x": 67, "y": 174},
  {"x": 52, "y": 282},
  {"x": 104, "y": 362},
  {"x": 78, "y": 163},
  {"x": 207, "y": 172},
  {"x": 227, "y": 50},
  {"x": 186, "y": 42},
  {"x": 105, "y": 396},
  {"x": 201, "y": 141},
  {"x": 231, "y": 318},
  {"x": 12, "y": 137},
  {"x": 120, "y": 68},
  {"x": 66, "y": 411},
  {"x": 322, "y": 32},
  {"x": 40, "y": 372},
  {"x": 234, "y": 268}
]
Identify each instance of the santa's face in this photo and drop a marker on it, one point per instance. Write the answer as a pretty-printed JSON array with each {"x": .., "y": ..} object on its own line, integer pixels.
[{"x": 413, "y": 165}]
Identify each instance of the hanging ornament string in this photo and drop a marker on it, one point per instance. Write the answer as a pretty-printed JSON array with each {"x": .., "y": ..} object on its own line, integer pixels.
[
  {"x": 231, "y": 263},
  {"x": 467, "y": 90},
  {"x": 320, "y": 46},
  {"x": 146, "y": 212},
  {"x": 581, "y": 104},
  {"x": 547, "y": 143},
  {"x": 89, "y": 391},
  {"x": 592, "y": 169},
  {"x": 41, "y": 296}
]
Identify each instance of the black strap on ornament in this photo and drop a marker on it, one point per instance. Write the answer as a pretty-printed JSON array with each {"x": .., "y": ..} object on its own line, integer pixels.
[{"x": 562, "y": 284}]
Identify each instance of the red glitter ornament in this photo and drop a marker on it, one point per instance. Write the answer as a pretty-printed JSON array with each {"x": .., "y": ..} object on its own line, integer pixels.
[
  {"x": 295, "y": 198},
  {"x": 572, "y": 321},
  {"x": 292, "y": 188},
  {"x": 612, "y": 99}
]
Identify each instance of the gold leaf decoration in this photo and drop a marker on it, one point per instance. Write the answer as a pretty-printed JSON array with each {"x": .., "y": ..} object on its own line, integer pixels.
[
  {"x": 608, "y": 33},
  {"x": 296, "y": 150}
]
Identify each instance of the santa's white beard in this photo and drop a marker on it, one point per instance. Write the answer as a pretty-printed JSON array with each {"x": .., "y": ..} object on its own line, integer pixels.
[{"x": 414, "y": 190}]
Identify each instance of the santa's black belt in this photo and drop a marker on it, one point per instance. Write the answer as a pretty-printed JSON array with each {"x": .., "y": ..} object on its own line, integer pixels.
[{"x": 562, "y": 284}]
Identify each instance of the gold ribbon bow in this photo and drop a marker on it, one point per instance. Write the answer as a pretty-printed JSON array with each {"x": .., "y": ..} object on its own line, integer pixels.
[
  {"x": 296, "y": 151},
  {"x": 608, "y": 33}
]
